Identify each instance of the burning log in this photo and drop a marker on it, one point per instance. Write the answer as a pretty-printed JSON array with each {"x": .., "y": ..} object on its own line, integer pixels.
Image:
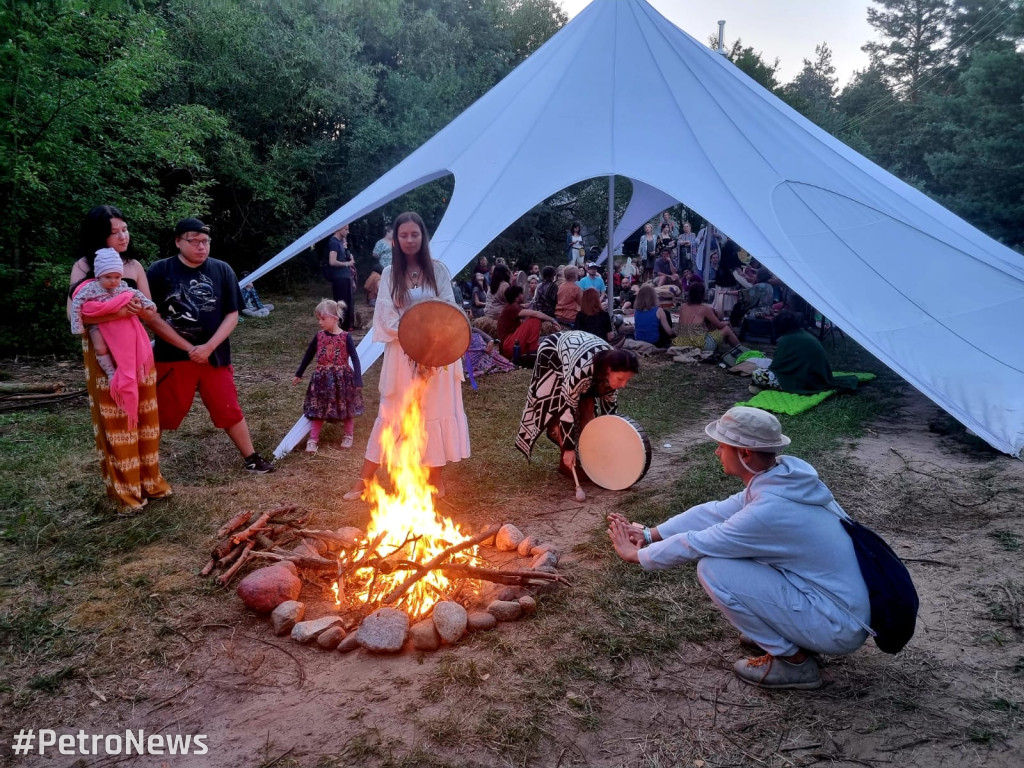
[
  {"x": 516, "y": 578},
  {"x": 427, "y": 567}
]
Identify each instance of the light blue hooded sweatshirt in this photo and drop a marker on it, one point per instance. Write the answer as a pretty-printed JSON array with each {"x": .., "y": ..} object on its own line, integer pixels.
[{"x": 785, "y": 518}]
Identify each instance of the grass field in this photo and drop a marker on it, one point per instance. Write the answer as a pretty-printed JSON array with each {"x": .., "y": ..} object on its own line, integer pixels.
[{"x": 95, "y": 607}]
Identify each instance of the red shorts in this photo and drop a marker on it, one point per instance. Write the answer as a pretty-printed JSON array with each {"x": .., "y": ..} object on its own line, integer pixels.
[{"x": 176, "y": 385}]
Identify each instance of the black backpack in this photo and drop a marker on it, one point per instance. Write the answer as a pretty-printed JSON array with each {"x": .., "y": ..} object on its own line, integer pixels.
[{"x": 891, "y": 592}]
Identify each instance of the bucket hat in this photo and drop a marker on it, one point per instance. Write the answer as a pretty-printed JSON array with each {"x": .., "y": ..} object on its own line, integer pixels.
[{"x": 745, "y": 427}]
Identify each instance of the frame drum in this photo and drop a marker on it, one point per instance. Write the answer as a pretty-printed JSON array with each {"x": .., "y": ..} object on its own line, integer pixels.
[
  {"x": 434, "y": 333},
  {"x": 614, "y": 451}
]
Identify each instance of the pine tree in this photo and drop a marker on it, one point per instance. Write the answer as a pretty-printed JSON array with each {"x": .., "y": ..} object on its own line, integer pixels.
[{"x": 913, "y": 41}]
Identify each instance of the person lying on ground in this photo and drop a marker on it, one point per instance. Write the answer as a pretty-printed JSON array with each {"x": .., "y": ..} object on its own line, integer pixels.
[
  {"x": 774, "y": 557},
  {"x": 799, "y": 365}
]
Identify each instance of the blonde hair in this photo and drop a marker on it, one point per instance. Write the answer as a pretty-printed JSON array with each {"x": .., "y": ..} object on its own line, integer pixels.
[
  {"x": 571, "y": 274},
  {"x": 329, "y": 308}
]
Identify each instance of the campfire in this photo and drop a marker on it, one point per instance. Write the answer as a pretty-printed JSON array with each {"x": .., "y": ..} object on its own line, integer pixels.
[
  {"x": 411, "y": 563},
  {"x": 405, "y": 524}
]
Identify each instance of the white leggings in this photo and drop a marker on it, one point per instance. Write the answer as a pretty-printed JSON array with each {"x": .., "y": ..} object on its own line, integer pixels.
[{"x": 764, "y": 605}]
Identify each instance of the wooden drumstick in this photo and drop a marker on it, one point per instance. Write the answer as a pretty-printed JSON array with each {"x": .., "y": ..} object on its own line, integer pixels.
[{"x": 580, "y": 495}]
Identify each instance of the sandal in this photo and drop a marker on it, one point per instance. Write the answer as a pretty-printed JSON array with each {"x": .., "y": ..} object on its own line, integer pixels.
[{"x": 357, "y": 492}]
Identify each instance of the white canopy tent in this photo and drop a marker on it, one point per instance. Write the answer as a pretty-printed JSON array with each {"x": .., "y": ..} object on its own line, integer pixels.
[{"x": 932, "y": 297}]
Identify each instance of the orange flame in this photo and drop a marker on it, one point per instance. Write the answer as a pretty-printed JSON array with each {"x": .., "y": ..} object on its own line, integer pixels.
[{"x": 412, "y": 528}]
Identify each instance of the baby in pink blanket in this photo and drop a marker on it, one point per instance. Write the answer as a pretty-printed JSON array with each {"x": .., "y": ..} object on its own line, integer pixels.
[{"x": 122, "y": 345}]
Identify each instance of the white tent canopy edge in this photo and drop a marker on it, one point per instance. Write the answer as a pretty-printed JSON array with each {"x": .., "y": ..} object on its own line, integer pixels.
[{"x": 929, "y": 295}]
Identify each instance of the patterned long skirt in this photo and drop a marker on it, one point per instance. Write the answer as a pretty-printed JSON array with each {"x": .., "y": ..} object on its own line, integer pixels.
[{"x": 129, "y": 458}]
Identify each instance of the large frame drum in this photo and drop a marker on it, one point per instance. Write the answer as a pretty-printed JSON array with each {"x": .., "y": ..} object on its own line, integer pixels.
[
  {"x": 615, "y": 451},
  {"x": 434, "y": 333}
]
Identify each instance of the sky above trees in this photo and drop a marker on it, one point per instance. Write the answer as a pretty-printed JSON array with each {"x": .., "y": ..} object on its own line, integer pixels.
[{"x": 785, "y": 29}]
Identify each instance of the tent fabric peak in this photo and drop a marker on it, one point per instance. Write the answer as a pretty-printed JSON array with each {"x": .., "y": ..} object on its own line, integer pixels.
[{"x": 928, "y": 294}]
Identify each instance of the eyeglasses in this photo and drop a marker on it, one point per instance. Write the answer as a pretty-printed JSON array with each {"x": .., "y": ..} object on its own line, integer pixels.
[{"x": 198, "y": 242}]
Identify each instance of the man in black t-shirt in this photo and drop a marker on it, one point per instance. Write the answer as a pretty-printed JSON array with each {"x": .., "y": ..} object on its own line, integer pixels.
[{"x": 198, "y": 301}]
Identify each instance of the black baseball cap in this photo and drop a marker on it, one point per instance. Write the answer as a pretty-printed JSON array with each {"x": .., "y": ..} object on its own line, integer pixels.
[{"x": 190, "y": 225}]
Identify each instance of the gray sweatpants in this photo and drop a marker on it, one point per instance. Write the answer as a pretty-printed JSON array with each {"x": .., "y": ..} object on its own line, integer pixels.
[{"x": 761, "y": 603}]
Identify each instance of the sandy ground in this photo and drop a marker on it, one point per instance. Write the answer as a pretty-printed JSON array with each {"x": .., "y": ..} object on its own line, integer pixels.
[{"x": 953, "y": 697}]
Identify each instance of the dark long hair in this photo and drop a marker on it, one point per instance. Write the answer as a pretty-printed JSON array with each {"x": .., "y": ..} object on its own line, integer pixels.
[
  {"x": 501, "y": 274},
  {"x": 695, "y": 293},
  {"x": 619, "y": 360},
  {"x": 399, "y": 261},
  {"x": 94, "y": 233}
]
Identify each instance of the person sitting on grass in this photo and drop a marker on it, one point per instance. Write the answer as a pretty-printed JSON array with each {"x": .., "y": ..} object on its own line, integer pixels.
[
  {"x": 517, "y": 323},
  {"x": 651, "y": 323},
  {"x": 699, "y": 326},
  {"x": 799, "y": 365},
  {"x": 774, "y": 557},
  {"x": 592, "y": 317}
]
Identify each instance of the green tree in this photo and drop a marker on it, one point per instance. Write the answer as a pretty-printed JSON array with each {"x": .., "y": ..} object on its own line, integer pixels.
[
  {"x": 912, "y": 46},
  {"x": 976, "y": 148},
  {"x": 74, "y": 133},
  {"x": 753, "y": 64},
  {"x": 813, "y": 91}
]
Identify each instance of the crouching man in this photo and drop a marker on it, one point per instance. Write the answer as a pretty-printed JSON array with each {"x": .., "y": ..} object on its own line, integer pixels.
[{"x": 774, "y": 557}]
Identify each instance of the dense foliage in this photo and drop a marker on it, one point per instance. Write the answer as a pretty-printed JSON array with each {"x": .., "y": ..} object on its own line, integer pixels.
[{"x": 262, "y": 116}]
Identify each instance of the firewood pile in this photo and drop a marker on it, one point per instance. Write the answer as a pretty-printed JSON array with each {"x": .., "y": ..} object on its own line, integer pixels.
[
  {"x": 329, "y": 559},
  {"x": 241, "y": 539}
]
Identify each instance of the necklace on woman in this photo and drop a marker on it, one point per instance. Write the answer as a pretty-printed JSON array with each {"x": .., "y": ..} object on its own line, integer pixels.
[{"x": 414, "y": 275}]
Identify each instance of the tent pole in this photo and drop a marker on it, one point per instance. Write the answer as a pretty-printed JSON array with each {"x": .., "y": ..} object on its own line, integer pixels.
[{"x": 610, "y": 261}]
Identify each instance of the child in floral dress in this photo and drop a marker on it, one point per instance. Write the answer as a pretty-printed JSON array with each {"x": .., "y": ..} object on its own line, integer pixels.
[{"x": 335, "y": 390}]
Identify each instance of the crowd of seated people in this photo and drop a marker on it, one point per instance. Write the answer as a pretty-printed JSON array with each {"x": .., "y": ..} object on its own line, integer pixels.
[{"x": 710, "y": 282}]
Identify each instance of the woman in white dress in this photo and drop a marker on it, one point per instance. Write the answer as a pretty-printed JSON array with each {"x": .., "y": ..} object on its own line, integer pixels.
[{"x": 413, "y": 276}]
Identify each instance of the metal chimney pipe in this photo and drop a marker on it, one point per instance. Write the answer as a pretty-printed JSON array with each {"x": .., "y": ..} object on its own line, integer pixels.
[{"x": 721, "y": 37}]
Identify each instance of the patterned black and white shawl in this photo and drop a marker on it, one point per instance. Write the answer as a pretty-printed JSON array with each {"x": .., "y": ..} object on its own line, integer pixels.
[{"x": 562, "y": 375}]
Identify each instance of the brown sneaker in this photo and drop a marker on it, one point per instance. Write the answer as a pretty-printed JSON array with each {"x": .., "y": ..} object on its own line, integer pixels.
[{"x": 774, "y": 672}]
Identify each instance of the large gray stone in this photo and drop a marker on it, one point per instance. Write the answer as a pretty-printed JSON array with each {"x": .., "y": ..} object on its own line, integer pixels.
[
  {"x": 265, "y": 589},
  {"x": 505, "y": 610},
  {"x": 424, "y": 636},
  {"x": 286, "y": 616},
  {"x": 450, "y": 619},
  {"x": 480, "y": 621},
  {"x": 543, "y": 559},
  {"x": 508, "y": 538},
  {"x": 384, "y": 631},
  {"x": 308, "y": 631}
]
